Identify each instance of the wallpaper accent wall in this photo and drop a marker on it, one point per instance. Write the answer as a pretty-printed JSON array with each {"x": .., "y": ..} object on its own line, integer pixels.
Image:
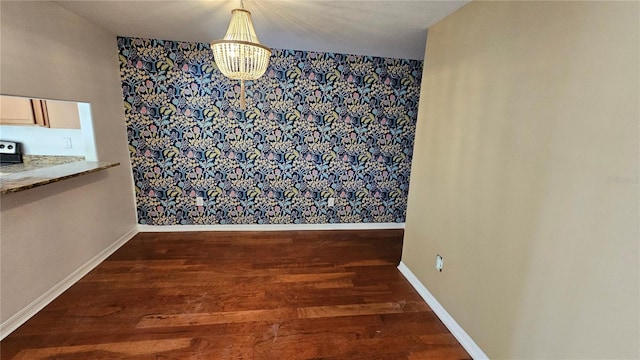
[{"x": 316, "y": 126}]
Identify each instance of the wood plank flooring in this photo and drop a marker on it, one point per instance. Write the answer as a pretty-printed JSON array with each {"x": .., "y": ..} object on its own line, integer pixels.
[{"x": 241, "y": 295}]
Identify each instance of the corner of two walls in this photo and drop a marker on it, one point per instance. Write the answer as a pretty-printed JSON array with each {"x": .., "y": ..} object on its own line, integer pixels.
[{"x": 316, "y": 126}]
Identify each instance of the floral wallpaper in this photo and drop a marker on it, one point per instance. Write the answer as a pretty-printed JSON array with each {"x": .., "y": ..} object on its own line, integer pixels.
[{"x": 316, "y": 126}]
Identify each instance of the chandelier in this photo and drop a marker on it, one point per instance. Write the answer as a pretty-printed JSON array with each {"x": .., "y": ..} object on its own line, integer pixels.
[{"x": 239, "y": 55}]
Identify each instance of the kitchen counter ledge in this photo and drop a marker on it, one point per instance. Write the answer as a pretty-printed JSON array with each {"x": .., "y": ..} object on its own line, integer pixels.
[{"x": 20, "y": 177}]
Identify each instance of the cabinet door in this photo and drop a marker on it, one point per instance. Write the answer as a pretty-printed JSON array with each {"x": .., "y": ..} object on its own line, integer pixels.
[
  {"x": 21, "y": 111},
  {"x": 16, "y": 111},
  {"x": 63, "y": 114}
]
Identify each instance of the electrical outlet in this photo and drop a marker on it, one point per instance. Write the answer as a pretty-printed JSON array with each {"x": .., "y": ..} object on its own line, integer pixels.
[
  {"x": 199, "y": 201},
  {"x": 331, "y": 202},
  {"x": 67, "y": 143},
  {"x": 439, "y": 262}
]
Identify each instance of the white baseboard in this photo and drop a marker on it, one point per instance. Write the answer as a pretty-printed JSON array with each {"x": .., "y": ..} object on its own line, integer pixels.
[
  {"x": 269, "y": 227},
  {"x": 38, "y": 304},
  {"x": 458, "y": 332}
]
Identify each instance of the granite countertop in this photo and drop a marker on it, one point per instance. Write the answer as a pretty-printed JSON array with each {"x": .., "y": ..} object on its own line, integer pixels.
[
  {"x": 50, "y": 159},
  {"x": 19, "y": 177}
]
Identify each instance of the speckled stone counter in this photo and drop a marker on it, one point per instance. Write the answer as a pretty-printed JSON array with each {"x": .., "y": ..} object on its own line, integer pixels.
[
  {"x": 50, "y": 159},
  {"x": 19, "y": 177}
]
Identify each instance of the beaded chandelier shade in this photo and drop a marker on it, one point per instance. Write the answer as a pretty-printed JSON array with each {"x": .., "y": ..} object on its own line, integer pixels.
[{"x": 239, "y": 55}]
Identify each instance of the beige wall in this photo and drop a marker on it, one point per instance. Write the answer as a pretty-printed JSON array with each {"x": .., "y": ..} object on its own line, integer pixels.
[
  {"x": 525, "y": 177},
  {"x": 48, "y": 232}
]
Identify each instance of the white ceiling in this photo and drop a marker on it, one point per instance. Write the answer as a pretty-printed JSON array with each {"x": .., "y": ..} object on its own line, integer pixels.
[{"x": 380, "y": 28}]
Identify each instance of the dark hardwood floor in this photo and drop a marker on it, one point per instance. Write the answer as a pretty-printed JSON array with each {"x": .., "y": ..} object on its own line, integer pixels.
[{"x": 241, "y": 295}]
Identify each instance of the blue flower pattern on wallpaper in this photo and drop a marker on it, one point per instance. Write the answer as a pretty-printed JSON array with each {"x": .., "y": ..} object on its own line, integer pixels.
[{"x": 316, "y": 126}]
